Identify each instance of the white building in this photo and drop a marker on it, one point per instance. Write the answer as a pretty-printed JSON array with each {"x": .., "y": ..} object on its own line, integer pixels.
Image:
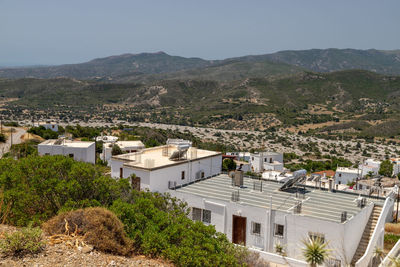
[
  {"x": 79, "y": 150},
  {"x": 48, "y": 125},
  {"x": 106, "y": 138},
  {"x": 396, "y": 166},
  {"x": 160, "y": 168},
  {"x": 242, "y": 156},
  {"x": 266, "y": 161},
  {"x": 345, "y": 175},
  {"x": 126, "y": 147},
  {"x": 370, "y": 166},
  {"x": 259, "y": 215}
]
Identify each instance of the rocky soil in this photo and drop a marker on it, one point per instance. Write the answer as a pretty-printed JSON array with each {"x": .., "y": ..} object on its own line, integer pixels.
[{"x": 63, "y": 255}]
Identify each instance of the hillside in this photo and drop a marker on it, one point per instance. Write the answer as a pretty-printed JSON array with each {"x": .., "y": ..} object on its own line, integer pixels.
[
  {"x": 147, "y": 67},
  {"x": 302, "y": 98},
  {"x": 132, "y": 64},
  {"x": 327, "y": 60}
]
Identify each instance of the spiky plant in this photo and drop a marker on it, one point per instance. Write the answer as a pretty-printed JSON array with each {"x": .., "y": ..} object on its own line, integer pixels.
[
  {"x": 395, "y": 262},
  {"x": 379, "y": 254},
  {"x": 315, "y": 251}
]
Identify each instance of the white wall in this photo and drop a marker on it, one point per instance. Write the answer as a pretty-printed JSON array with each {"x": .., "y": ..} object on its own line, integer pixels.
[
  {"x": 85, "y": 154},
  {"x": 345, "y": 177},
  {"x": 53, "y": 127},
  {"x": 157, "y": 180},
  {"x": 343, "y": 238}
]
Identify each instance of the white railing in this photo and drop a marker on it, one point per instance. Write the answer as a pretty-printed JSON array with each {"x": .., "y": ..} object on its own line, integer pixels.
[
  {"x": 377, "y": 235},
  {"x": 393, "y": 253}
]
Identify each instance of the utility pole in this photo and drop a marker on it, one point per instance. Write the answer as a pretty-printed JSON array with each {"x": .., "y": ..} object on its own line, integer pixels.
[
  {"x": 397, "y": 209},
  {"x": 11, "y": 131}
]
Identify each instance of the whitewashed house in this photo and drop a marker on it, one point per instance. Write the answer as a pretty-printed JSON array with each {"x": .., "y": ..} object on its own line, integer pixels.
[
  {"x": 370, "y": 166},
  {"x": 126, "y": 147},
  {"x": 346, "y": 175},
  {"x": 241, "y": 156},
  {"x": 256, "y": 213},
  {"x": 106, "y": 138},
  {"x": 160, "y": 168},
  {"x": 48, "y": 125},
  {"x": 79, "y": 150},
  {"x": 396, "y": 166},
  {"x": 266, "y": 161}
]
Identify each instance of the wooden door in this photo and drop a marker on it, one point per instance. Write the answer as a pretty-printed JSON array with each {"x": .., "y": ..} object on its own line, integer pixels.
[{"x": 239, "y": 230}]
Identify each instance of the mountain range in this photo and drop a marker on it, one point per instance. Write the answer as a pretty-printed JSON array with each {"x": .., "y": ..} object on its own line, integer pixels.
[{"x": 146, "y": 67}]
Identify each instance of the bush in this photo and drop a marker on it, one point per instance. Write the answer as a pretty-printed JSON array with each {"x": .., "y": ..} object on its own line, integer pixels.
[
  {"x": 28, "y": 240},
  {"x": 37, "y": 188},
  {"x": 159, "y": 227},
  {"x": 99, "y": 226}
]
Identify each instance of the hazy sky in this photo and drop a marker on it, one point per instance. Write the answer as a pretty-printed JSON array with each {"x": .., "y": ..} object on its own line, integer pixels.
[{"x": 71, "y": 31}]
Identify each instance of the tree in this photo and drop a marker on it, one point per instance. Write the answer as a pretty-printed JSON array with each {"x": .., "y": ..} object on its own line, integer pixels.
[
  {"x": 228, "y": 165},
  {"x": 116, "y": 150},
  {"x": 386, "y": 168},
  {"x": 315, "y": 251}
]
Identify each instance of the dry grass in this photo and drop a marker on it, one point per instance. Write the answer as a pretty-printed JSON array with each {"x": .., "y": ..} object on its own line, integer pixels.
[
  {"x": 98, "y": 227},
  {"x": 393, "y": 228}
]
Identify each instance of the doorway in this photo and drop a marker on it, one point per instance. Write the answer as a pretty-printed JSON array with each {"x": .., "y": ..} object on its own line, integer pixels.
[
  {"x": 135, "y": 181},
  {"x": 239, "y": 230}
]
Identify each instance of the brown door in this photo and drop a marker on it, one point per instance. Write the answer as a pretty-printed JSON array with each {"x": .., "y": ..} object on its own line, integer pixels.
[{"x": 239, "y": 230}]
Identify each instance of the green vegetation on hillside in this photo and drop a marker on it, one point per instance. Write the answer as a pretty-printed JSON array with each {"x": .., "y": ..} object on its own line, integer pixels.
[{"x": 34, "y": 189}]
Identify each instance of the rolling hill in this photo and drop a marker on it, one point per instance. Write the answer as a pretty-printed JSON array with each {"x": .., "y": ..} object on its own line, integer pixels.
[{"x": 148, "y": 67}]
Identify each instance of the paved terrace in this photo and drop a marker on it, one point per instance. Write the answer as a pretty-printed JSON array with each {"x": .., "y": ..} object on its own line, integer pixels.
[
  {"x": 155, "y": 154},
  {"x": 317, "y": 203}
]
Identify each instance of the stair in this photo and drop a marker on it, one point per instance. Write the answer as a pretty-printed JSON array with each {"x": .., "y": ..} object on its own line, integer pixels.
[{"x": 368, "y": 231}]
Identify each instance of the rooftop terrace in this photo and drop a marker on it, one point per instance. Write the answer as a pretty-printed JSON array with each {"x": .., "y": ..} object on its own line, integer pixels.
[
  {"x": 317, "y": 203},
  {"x": 159, "y": 157},
  {"x": 68, "y": 143}
]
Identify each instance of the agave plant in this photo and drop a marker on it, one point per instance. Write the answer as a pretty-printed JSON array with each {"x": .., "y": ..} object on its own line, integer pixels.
[
  {"x": 395, "y": 262},
  {"x": 315, "y": 251}
]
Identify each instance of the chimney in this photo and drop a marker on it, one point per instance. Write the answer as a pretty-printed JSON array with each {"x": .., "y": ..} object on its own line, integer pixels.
[{"x": 238, "y": 178}]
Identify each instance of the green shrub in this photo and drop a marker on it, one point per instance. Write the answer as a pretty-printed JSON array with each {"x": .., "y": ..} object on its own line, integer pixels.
[
  {"x": 37, "y": 188},
  {"x": 28, "y": 240},
  {"x": 159, "y": 227}
]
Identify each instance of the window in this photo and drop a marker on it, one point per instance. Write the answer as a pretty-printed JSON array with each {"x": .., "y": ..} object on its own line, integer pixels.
[
  {"x": 196, "y": 214},
  {"x": 71, "y": 155},
  {"x": 202, "y": 174},
  {"x": 201, "y": 215},
  {"x": 340, "y": 175},
  {"x": 279, "y": 230},
  {"x": 47, "y": 154},
  {"x": 183, "y": 175},
  {"x": 255, "y": 228},
  {"x": 121, "y": 173},
  {"x": 270, "y": 160},
  {"x": 314, "y": 236},
  {"x": 206, "y": 216},
  {"x": 265, "y": 159},
  {"x": 252, "y": 158}
]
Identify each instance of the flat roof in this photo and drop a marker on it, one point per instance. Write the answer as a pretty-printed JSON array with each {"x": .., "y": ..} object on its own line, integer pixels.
[
  {"x": 136, "y": 143},
  {"x": 68, "y": 143},
  {"x": 158, "y": 157},
  {"x": 317, "y": 203},
  {"x": 348, "y": 170}
]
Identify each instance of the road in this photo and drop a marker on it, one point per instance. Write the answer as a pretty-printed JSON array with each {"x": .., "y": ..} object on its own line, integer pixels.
[{"x": 16, "y": 139}]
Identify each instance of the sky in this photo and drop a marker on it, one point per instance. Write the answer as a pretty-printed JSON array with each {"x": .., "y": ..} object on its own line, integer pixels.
[{"x": 49, "y": 32}]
